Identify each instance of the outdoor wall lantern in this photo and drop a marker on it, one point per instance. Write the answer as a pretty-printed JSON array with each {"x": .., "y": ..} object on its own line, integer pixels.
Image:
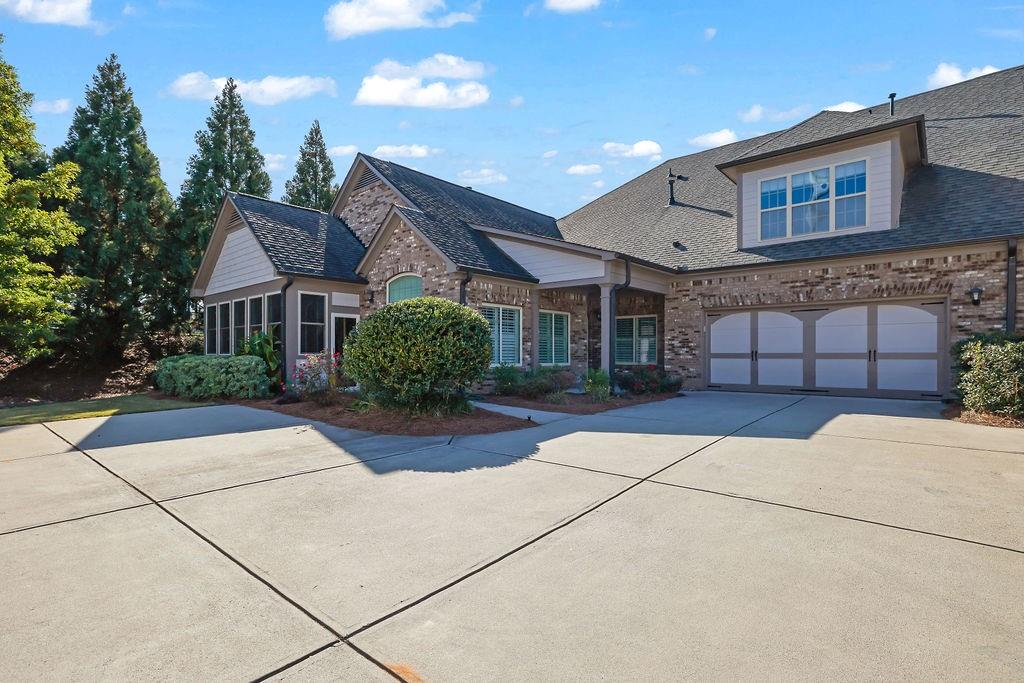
[
  {"x": 975, "y": 293},
  {"x": 369, "y": 293}
]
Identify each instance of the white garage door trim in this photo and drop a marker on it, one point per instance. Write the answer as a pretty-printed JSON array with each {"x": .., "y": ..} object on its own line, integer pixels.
[{"x": 891, "y": 348}]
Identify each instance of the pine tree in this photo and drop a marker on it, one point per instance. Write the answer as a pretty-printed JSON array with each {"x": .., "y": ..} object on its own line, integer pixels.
[
  {"x": 313, "y": 182},
  {"x": 33, "y": 300},
  {"x": 226, "y": 159},
  {"x": 123, "y": 206}
]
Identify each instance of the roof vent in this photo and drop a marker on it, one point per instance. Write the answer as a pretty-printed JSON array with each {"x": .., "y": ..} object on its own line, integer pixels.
[
  {"x": 365, "y": 180},
  {"x": 672, "y": 178},
  {"x": 892, "y": 104}
]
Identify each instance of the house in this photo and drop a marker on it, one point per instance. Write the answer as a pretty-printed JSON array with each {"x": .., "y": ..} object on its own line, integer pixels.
[{"x": 842, "y": 255}]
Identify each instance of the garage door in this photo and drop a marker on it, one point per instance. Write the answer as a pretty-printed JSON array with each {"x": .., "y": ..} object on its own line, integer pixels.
[{"x": 892, "y": 349}]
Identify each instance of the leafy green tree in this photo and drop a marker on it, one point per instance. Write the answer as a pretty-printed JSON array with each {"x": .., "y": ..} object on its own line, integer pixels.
[
  {"x": 124, "y": 208},
  {"x": 33, "y": 299},
  {"x": 226, "y": 159},
  {"x": 313, "y": 182}
]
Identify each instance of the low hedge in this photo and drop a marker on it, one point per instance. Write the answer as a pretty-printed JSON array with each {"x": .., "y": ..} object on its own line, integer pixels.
[
  {"x": 992, "y": 377},
  {"x": 206, "y": 377}
]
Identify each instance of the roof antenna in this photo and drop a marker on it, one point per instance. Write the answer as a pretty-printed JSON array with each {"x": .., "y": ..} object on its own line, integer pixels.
[{"x": 892, "y": 104}]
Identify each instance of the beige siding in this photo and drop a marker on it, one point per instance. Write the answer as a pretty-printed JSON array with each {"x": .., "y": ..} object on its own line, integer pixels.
[
  {"x": 241, "y": 263},
  {"x": 880, "y": 188},
  {"x": 548, "y": 264}
]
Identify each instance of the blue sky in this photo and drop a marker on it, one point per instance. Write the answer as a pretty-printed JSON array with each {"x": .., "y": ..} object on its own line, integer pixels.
[{"x": 546, "y": 103}]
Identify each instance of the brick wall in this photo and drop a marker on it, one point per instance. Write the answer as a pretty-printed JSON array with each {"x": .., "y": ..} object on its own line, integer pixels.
[
  {"x": 363, "y": 212},
  {"x": 946, "y": 275}
]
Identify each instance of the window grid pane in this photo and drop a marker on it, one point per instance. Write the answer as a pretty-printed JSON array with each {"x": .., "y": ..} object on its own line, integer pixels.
[
  {"x": 851, "y": 212},
  {"x": 211, "y": 330},
  {"x": 224, "y": 327},
  {"x": 773, "y": 224},
  {"x": 544, "y": 339},
  {"x": 811, "y": 186},
  {"x": 625, "y": 345},
  {"x": 809, "y": 218},
  {"x": 255, "y": 315},
  {"x": 405, "y": 287},
  {"x": 510, "y": 336},
  {"x": 274, "y": 315},
  {"x": 491, "y": 316},
  {"x": 647, "y": 340},
  {"x": 560, "y": 338},
  {"x": 238, "y": 322},
  {"x": 773, "y": 193},
  {"x": 851, "y": 178},
  {"x": 312, "y": 323}
]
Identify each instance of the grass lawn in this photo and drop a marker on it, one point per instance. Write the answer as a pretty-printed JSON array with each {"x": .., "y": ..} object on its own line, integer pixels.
[{"x": 96, "y": 407}]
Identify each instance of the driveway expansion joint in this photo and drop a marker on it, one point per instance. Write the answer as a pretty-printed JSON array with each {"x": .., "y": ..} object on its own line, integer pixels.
[{"x": 277, "y": 591}]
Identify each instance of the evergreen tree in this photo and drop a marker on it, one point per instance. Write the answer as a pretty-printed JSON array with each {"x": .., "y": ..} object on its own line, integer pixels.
[
  {"x": 226, "y": 159},
  {"x": 124, "y": 207},
  {"x": 33, "y": 300},
  {"x": 313, "y": 182}
]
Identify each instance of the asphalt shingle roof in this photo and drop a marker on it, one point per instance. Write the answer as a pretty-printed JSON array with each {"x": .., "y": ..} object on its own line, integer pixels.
[
  {"x": 972, "y": 188},
  {"x": 301, "y": 241}
]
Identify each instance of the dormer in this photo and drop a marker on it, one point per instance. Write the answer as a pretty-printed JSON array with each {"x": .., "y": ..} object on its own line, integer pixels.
[{"x": 835, "y": 174}]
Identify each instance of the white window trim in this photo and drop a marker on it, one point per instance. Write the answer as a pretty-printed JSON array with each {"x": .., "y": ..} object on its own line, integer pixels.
[
  {"x": 568, "y": 339},
  {"x": 228, "y": 304},
  {"x": 832, "y": 230},
  {"x": 339, "y": 315},
  {"x": 636, "y": 336},
  {"x": 216, "y": 330},
  {"x": 234, "y": 325},
  {"x": 298, "y": 322},
  {"x": 517, "y": 308},
  {"x": 263, "y": 314},
  {"x": 387, "y": 285}
]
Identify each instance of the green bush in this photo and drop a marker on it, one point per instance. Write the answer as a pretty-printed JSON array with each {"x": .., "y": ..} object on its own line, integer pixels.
[
  {"x": 597, "y": 385},
  {"x": 542, "y": 382},
  {"x": 419, "y": 354},
  {"x": 992, "y": 380},
  {"x": 263, "y": 345},
  {"x": 507, "y": 380},
  {"x": 647, "y": 379},
  {"x": 206, "y": 377},
  {"x": 995, "y": 337}
]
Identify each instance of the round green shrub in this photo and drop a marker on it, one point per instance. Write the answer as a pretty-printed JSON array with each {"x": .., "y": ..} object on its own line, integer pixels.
[
  {"x": 419, "y": 354},
  {"x": 205, "y": 377}
]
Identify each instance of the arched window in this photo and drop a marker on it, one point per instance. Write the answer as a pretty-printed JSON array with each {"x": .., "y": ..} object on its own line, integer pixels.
[{"x": 404, "y": 287}]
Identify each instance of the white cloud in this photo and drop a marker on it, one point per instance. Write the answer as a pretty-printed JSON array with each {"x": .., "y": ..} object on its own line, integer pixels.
[
  {"x": 584, "y": 169},
  {"x": 275, "y": 162},
  {"x": 517, "y": 101},
  {"x": 270, "y": 90},
  {"x": 1003, "y": 33},
  {"x": 689, "y": 69},
  {"x": 597, "y": 184},
  {"x": 67, "y": 12},
  {"x": 846, "y": 105},
  {"x": 129, "y": 10},
  {"x": 405, "y": 151},
  {"x": 757, "y": 112},
  {"x": 569, "y": 6},
  {"x": 485, "y": 176},
  {"x": 752, "y": 115},
  {"x": 710, "y": 33},
  {"x": 52, "y": 106},
  {"x": 404, "y": 125},
  {"x": 714, "y": 139},
  {"x": 440, "y": 65},
  {"x": 641, "y": 148},
  {"x": 948, "y": 74},
  {"x": 550, "y": 154},
  {"x": 357, "y": 17},
  {"x": 397, "y": 85},
  {"x": 342, "y": 150}
]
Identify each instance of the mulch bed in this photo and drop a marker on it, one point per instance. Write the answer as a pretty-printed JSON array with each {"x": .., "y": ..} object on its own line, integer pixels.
[
  {"x": 70, "y": 379},
  {"x": 958, "y": 414},
  {"x": 579, "y": 404},
  {"x": 341, "y": 414}
]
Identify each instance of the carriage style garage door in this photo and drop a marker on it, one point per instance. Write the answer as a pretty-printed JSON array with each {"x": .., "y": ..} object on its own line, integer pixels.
[{"x": 893, "y": 349}]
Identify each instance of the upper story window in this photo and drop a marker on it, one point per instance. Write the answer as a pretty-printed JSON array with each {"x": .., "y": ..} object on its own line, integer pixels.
[
  {"x": 819, "y": 200},
  {"x": 405, "y": 287}
]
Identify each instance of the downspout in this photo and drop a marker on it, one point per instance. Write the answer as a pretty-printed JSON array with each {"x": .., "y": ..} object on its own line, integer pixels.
[
  {"x": 1011, "y": 285},
  {"x": 284, "y": 327},
  {"x": 610, "y": 326},
  {"x": 462, "y": 287}
]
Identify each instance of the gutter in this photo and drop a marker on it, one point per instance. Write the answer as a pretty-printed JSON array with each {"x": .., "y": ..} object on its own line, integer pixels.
[
  {"x": 1011, "y": 284},
  {"x": 609, "y": 337},
  {"x": 284, "y": 327},
  {"x": 462, "y": 287}
]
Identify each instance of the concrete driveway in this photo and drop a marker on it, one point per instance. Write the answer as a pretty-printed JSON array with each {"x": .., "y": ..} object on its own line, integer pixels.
[{"x": 713, "y": 535}]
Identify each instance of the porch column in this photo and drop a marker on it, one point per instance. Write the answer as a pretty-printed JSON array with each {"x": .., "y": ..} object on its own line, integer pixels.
[{"x": 607, "y": 327}]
